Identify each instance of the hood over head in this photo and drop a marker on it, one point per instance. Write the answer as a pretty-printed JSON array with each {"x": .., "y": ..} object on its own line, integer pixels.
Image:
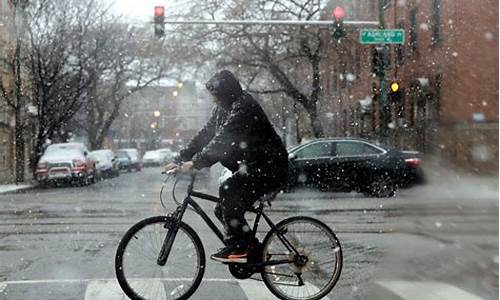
[{"x": 225, "y": 86}]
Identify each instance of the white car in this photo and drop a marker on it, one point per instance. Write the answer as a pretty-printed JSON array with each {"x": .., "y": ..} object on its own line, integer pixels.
[
  {"x": 168, "y": 155},
  {"x": 153, "y": 158},
  {"x": 107, "y": 164}
]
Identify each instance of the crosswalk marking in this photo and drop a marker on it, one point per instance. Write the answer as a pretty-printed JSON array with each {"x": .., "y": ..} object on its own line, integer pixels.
[
  {"x": 255, "y": 290},
  {"x": 414, "y": 290},
  {"x": 2, "y": 286},
  {"x": 109, "y": 290}
]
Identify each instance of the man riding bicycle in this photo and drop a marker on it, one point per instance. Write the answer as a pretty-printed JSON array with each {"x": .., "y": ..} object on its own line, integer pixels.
[{"x": 240, "y": 137}]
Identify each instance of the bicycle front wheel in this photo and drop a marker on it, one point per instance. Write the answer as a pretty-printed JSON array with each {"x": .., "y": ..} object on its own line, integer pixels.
[
  {"x": 317, "y": 271},
  {"x": 138, "y": 273}
]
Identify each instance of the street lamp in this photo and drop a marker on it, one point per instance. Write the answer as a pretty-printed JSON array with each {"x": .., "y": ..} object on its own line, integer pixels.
[
  {"x": 156, "y": 113},
  {"x": 180, "y": 84},
  {"x": 175, "y": 93}
]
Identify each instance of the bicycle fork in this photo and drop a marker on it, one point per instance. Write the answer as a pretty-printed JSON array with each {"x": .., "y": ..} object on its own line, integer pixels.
[{"x": 173, "y": 227}]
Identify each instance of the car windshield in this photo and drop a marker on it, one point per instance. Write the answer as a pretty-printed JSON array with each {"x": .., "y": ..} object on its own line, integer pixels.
[
  {"x": 100, "y": 155},
  {"x": 62, "y": 153},
  {"x": 121, "y": 154},
  {"x": 377, "y": 118},
  {"x": 151, "y": 154},
  {"x": 66, "y": 146}
]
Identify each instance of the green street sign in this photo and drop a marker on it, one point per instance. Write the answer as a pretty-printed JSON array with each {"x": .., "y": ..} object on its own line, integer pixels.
[{"x": 382, "y": 36}]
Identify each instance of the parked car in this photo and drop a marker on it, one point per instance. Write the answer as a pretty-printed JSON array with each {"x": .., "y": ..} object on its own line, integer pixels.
[
  {"x": 135, "y": 158},
  {"x": 66, "y": 162},
  {"x": 107, "y": 163},
  {"x": 124, "y": 160},
  {"x": 153, "y": 158},
  {"x": 168, "y": 154},
  {"x": 346, "y": 164}
]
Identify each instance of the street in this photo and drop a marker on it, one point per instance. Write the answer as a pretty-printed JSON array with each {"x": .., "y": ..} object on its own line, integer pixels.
[{"x": 60, "y": 243}]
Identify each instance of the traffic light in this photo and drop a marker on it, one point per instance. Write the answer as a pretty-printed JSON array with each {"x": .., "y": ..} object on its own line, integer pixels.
[
  {"x": 394, "y": 86},
  {"x": 337, "y": 30},
  {"x": 380, "y": 61},
  {"x": 159, "y": 21},
  {"x": 396, "y": 96}
]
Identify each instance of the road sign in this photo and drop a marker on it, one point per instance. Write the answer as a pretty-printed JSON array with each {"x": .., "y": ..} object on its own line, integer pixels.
[{"x": 382, "y": 36}]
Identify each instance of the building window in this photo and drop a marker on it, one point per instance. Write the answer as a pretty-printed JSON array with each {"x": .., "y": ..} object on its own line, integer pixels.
[
  {"x": 413, "y": 42},
  {"x": 436, "y": 30}
]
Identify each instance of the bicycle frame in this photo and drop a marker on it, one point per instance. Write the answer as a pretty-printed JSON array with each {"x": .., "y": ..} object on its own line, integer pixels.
[{"x": 189, "y": 201}]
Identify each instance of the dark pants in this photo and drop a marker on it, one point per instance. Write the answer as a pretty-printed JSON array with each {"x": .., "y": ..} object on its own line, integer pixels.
[{"x": 237, "y": 192}]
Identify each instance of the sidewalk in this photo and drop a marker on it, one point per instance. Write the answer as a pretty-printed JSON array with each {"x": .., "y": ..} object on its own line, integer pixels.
[{"x": 12, "y": 188}]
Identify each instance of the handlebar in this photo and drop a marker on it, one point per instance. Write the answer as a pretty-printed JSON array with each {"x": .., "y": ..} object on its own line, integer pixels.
[{"x": 174, "y": 173}]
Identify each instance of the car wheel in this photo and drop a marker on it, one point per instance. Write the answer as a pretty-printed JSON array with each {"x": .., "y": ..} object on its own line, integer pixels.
[
  {"x": 43, "y": 184},
  {"x": 83, "y": 181},
  {"x": 381, "y": 187},
  {"x": 95, "y": 178},
  {"x": 323, "y": 187}
]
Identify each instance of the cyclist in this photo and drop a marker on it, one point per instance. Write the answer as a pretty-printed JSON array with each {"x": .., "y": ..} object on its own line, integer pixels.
[{"x": 240, "y": 137}]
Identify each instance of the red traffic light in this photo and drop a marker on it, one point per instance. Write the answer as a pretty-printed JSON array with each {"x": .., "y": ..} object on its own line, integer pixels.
[
  {"x": 338, "y": 13},
  {"x": 159, "y": 11}
]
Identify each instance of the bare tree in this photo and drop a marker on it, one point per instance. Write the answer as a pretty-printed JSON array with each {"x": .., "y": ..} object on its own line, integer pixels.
[
  {"x": 58, "y": 33},
  {"x": 124, "y": 61},
  {"x": 286, "y": 59}
]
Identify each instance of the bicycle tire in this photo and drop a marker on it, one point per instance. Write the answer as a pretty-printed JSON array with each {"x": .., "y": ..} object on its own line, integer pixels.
[
  {"x": 337, "y": 250},
  {"x": 119, "y": 270}
]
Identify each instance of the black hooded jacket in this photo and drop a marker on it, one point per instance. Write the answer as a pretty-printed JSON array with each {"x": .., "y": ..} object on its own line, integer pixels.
[{"x": 238, "y": 134}]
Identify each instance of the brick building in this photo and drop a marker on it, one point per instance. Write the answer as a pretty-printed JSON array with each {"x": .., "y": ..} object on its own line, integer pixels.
[
  {"x": 448, "y": 73},
  {"x": 7, "y": 112}
]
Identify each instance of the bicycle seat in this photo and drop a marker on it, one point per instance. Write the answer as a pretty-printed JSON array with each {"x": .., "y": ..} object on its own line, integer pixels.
[
  {"x": 269, "y": 196},
  {"x": 263, "y": 199}
]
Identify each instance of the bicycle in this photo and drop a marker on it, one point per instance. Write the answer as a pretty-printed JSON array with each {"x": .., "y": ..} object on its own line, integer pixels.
[{"x": 287, "y": 258}]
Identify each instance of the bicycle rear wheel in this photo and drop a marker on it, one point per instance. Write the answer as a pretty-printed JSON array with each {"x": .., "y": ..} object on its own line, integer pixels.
[
  {"x": 312, "y": 279},
  {"x": 136, "y": 266}
]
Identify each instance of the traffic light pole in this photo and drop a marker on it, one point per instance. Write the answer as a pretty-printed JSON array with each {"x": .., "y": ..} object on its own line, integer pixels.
[
  {"x": 383, "y": 81},
  {"x": 273, "y": 22}
]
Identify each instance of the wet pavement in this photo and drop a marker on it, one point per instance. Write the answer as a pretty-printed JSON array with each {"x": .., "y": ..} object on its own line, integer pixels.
[{"x": 438, "y": 241}]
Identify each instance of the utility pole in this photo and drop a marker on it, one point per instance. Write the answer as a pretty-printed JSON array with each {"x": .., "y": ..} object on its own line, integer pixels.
[{"x": 383, "y": 82}]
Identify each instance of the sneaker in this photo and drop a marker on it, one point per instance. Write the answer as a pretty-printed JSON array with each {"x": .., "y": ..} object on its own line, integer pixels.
[{"x": 230, "y": 255}]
